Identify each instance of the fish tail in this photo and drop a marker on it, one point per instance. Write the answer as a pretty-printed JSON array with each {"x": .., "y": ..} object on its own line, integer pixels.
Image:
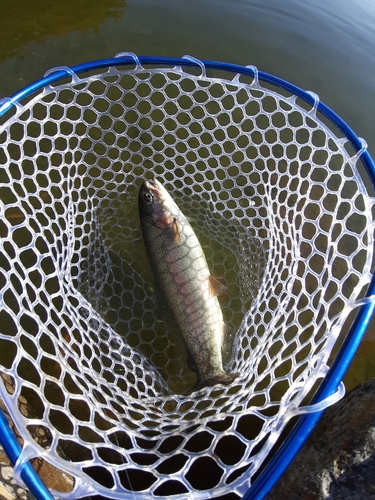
[{"x": 222, "y": 378}]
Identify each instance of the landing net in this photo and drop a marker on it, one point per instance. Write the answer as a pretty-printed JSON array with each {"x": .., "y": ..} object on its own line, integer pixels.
[{"x": 282, "y": 204}]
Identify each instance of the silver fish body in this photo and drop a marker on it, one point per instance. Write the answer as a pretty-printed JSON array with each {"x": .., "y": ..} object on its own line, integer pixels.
[{"x": 181, "y": 273}]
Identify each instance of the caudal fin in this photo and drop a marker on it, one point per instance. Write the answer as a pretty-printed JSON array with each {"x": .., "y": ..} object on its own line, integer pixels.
[{"x": 222, "y": 378}]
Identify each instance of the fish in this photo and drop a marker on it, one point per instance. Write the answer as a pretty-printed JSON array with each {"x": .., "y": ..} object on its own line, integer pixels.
[{"x": 182, "y": 276}]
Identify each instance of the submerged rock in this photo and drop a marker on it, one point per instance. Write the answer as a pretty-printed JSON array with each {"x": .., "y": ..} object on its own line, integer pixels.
[{"x": 338, "y": 460}]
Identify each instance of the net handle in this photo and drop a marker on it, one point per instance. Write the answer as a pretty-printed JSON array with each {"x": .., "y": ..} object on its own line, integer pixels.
[{"x": 295, "y": 440}]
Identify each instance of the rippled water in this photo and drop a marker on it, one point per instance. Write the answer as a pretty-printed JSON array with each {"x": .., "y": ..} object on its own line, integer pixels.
[{"x": 325, "y": 47}]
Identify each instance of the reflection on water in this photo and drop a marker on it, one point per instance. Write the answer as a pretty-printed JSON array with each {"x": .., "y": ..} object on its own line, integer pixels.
[{"x": 22, "y": 23}]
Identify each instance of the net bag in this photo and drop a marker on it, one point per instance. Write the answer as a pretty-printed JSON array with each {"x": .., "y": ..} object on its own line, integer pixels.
[{"x": 279, "y": 192}]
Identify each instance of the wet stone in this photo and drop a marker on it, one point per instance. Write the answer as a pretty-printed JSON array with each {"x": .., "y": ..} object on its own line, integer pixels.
[
  {"x": 338, "y": 460},
  {"x": 9, "y": 489}
]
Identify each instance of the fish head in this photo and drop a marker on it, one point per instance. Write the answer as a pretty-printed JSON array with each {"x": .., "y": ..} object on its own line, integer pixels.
[
  {"x": 155, "y": 202},
  {"x": 151, "y": 196}
]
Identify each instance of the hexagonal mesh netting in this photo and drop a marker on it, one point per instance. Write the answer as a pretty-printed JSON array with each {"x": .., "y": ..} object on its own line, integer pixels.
[{"x": 285, "y": 220}]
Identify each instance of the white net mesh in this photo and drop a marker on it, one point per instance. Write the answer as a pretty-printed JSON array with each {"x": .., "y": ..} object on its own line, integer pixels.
[{"x": 284, "y": 218}]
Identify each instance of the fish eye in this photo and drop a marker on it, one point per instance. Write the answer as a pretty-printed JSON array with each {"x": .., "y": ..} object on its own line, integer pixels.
[{"x": 147, "y": 197}]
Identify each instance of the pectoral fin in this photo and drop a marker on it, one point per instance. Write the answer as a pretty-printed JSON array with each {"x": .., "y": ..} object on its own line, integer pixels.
[
  {"x": 214, "y": 286},
  {"x": 176, "y": 229}
]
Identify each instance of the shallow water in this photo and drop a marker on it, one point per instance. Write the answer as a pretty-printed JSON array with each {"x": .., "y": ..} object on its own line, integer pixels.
[{"x": 325, "y": 47}]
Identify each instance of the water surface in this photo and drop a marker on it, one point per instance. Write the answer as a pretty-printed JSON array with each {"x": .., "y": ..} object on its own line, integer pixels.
[{"x": 325, "y": 47}]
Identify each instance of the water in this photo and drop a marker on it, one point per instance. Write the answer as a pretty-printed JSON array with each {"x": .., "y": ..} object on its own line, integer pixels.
[{"x": 326, "y": 47}]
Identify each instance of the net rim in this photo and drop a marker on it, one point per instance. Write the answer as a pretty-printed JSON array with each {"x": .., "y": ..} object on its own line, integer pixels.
[
  {"x": 127, "y": 59},
  {"x": 275, "y": 468},
  {"x": 13, "y": 449}
]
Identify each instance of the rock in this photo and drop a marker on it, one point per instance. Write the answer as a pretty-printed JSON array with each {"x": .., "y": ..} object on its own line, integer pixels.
[
  {"x": 338, "y": 460},
  {"x": 52, "y": 477},
  {"x": 9, "y": 489}
]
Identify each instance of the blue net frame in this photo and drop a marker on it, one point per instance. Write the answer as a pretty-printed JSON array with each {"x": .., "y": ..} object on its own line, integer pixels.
[{"x": 297, "y": 437}]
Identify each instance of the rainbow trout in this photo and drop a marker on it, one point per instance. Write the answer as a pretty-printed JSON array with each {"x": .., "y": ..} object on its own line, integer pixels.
[{"x": 181, "y": 273}]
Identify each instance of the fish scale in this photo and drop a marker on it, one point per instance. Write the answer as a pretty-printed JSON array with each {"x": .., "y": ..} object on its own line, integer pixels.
[{"x": 181, "y": 274}]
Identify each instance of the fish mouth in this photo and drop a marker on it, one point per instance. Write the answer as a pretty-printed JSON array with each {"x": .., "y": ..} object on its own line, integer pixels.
[{"x": 155, "y": 187}]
